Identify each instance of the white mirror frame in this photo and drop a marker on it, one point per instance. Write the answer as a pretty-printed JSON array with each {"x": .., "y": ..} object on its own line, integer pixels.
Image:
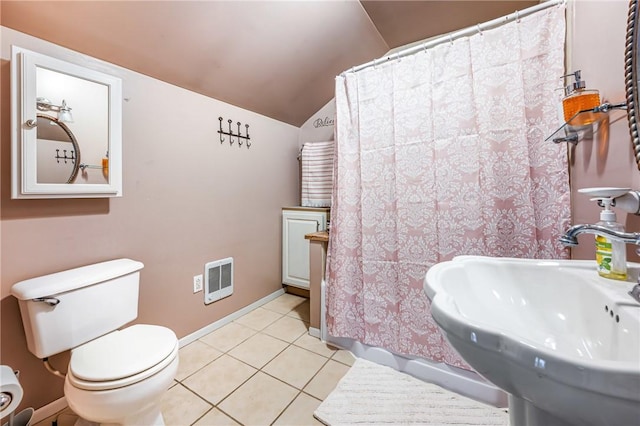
[{"x": 23, "y": 137}]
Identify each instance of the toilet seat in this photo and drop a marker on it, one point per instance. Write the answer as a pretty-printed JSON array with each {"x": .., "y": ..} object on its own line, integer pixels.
[{"x": 122, "y": 358}]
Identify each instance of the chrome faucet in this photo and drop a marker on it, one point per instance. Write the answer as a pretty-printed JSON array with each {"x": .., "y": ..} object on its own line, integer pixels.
[
  {"x": 569, "y": 239},
  {"x": 635, "y": 291}
]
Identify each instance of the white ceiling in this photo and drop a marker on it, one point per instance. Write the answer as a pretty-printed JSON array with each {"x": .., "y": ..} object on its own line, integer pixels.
[{"x": 276, "y": 58}]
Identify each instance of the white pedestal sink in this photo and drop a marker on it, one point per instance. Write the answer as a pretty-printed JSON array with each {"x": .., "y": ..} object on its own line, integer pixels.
[{"x": 562, "y": 341}]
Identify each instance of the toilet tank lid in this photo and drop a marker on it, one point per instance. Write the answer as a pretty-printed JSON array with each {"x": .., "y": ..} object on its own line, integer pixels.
[{"x": 72, "y": 279}]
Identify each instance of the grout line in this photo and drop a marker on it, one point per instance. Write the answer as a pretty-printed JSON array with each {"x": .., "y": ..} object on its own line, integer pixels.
[
  {"x": 203, "y": 414},
  {"x": 286, "y": 313},
  {"x": 230, "y": 416},
  {"x": 201, "y": 368},
  {"x": 285, "y": 408},
  {"x": 195, "y": 393},
  {"x": 288, "y": 384},
  {"x": 231, "y": 393},
  {"x": 326, "y": 360},
  {"x": 299, "y": 390},
  {"x": 267, "y": 325}
]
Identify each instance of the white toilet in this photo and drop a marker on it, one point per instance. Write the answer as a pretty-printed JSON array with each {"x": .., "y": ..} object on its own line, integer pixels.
[{"x": 114, "y": 376}]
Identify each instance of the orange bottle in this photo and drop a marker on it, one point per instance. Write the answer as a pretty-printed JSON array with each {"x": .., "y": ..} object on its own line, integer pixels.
[
  {"x": 577, "y": 100},
  {"x": 105, "y": 166}
]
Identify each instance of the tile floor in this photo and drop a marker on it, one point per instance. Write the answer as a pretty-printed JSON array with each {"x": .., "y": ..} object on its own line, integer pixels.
[{"x": 261, "y": 369}]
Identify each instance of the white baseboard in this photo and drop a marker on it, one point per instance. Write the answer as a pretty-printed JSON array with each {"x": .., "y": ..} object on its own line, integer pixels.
[
  {"x": 229, "y": 318},
  {"x": 315, "y": 332},
  {"x": 49, "y": 410}
]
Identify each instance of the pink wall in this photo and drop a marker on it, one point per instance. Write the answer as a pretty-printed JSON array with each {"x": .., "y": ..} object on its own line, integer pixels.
[
  {"x": 596, "y": 46},
  {"x": 188, "y": 199}
]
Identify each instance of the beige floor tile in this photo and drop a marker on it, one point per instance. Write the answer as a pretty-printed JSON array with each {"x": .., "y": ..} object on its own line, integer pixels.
[
  {"x": 180, "y": 406},
  {"x": 216, "y": 417},
  {"x": 287, "y": 329},
  {"x": 344, "y": 357},
  {"x": 259, "y": 318},
  {"x": 300, "y": 312},
  {"x": 227, "y": 337},
  {"x": 193, "y": 357},
  {"x": 295, "y": 366},
  {"x": 326, "y": 379},
  {"x": 300, "y": 412},
  {"x": 284, "y": 303},
  {"x": 316, "y": 345},
  {"x": 218, "y": 379},
  {"x": 259, "y": 401},
  {"x": 258, "y": 350}
]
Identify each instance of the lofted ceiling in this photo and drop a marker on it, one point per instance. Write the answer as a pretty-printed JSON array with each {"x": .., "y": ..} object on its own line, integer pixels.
[{"x": 276, "y": 58}]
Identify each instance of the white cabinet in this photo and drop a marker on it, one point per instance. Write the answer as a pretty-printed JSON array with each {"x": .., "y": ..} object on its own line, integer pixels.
[{"x": 296, "y": 223}]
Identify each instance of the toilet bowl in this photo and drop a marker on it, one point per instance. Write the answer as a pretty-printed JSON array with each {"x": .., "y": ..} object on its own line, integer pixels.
[
  {"x": 116, "y": 376},
  {"x": 120, "y": 378}
]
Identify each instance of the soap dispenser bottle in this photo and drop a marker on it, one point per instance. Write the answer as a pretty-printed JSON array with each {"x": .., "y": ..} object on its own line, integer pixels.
[
  {"x": 611, "y": 255},
  {"x": 579, "y": 98}
]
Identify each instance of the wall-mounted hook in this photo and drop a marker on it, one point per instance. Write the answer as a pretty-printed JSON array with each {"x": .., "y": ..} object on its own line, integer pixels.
[
  {"x": 239, "y": 136},
  {"x": 230, "y": 132},
  {"x": 220, "y": 131}
]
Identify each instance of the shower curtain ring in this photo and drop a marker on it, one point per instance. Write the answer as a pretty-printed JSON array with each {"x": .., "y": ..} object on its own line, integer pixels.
[
  {"x": 518, "y": 16},
  {"x": 375, "y": 65},
  {"x": 451, "y": 39},
  {"x": 479, "y": 29}
]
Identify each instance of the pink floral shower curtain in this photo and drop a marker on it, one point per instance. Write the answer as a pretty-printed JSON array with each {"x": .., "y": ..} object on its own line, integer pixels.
[{"x": 439, "y": 154}]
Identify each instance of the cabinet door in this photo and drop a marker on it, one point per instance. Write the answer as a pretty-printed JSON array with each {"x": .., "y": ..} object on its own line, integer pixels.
[{"x": 295, "y": 248}]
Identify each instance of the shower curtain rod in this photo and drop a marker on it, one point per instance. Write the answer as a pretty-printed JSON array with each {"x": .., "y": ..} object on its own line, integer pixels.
[{"x": 450, "y": 37}]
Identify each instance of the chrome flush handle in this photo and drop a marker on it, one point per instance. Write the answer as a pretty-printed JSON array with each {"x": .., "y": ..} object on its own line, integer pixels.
[{"x": 51, "y": 301}]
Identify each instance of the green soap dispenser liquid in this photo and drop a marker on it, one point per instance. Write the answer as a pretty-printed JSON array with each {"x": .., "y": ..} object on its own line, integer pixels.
[{"x": 611, "y": 255}]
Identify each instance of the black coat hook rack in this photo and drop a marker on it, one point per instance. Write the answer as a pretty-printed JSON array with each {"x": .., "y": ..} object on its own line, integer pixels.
[
  {"x": 239, "y": 136},
  {"x": 64, "y": 157}
]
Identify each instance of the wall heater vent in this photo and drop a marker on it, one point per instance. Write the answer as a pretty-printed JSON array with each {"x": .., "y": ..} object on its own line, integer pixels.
[{"x": 218, "y": 278}]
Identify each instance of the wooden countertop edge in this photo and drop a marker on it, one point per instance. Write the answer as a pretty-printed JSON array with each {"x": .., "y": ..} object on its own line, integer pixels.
[{"x": 322, "y": 236}]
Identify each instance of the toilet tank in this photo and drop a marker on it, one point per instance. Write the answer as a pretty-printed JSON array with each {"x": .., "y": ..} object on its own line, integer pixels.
[{"x": 63, "y": 310}]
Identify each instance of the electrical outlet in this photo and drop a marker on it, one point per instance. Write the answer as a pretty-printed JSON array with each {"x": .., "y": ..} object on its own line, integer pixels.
[{"x": 197, "y": 283}]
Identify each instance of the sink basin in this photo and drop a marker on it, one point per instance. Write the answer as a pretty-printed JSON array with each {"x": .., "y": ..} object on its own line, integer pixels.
[{"x": 562, "y": 341}]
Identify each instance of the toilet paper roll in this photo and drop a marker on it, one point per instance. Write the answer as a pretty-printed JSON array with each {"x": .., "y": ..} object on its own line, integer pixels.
[{"x": 9, "y": 386}]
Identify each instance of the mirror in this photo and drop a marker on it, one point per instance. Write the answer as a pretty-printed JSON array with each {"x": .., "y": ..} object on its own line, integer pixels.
[
  {"x": 58, "y": 151},
  {"x": 66, "y": 129},
  {"x": 631, "y": 77}
]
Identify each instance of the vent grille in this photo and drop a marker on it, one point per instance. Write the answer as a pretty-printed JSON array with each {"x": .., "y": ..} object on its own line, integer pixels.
[{"x": 218, "y": 278}]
